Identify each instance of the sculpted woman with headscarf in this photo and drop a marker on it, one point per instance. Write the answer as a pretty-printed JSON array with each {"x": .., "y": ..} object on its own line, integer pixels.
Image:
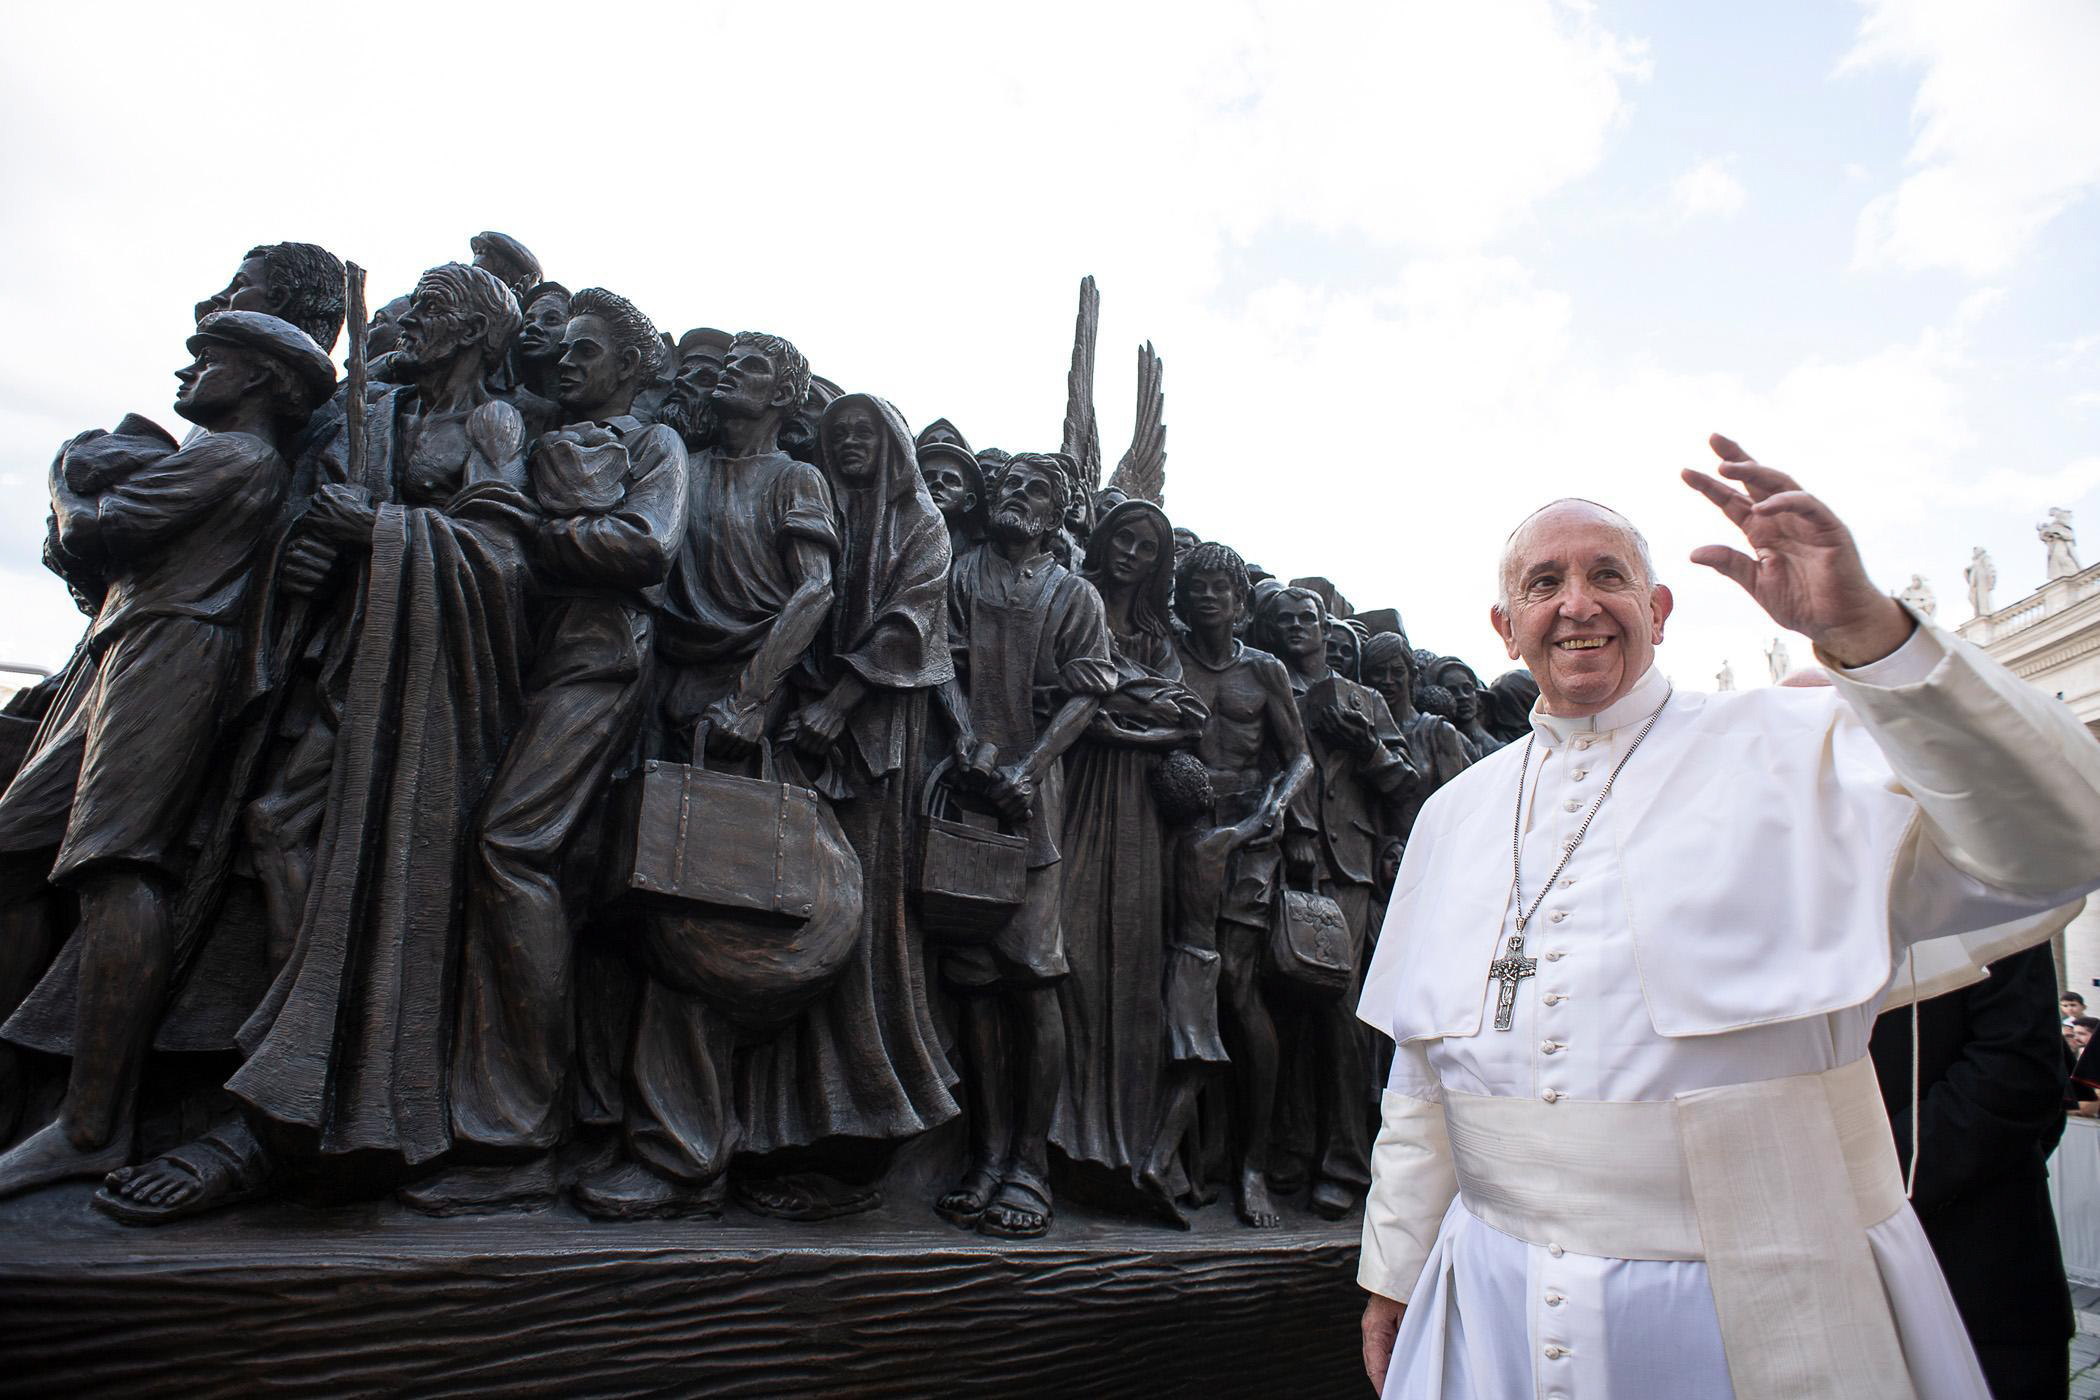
[
  {"x": 863, "y": 1067},
  {"x": 1464, "y": 684},
  {"x": 1115, "y": 852}
]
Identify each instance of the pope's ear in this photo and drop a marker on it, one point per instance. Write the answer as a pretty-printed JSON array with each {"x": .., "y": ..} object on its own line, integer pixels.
[
  {"x": 1505, "y": 629},
  {"x": 1660, "y": 602}
]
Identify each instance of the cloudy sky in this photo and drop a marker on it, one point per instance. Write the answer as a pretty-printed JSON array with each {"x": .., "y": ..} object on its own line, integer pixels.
[{"x": 1413, "y": 268}]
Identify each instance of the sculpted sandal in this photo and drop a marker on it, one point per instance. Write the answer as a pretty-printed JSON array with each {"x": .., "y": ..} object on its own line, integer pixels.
[
  {"x": 184, "y": 1181},
  {"x": 805, "y": 1196},
  {"x": 966, "y": 1204},
  {"x": 1020, "y": 1210}
]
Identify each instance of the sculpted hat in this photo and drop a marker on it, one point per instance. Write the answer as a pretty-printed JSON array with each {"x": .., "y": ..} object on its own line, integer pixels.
[
  {"x": 279, "y": 339},
  {"x": 943, "y": 451},
  {"x": 703, "y": 340},
  {"x": 507, "y": 258},
  {"x": 943, "y": 431}
]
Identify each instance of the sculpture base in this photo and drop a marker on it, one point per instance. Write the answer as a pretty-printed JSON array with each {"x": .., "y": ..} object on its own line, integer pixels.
[{"x": 374, "y": 1299}]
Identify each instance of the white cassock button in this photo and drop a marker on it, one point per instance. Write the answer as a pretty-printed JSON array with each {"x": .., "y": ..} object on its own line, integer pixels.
[
  {"x": 1551, "y": 1095},
  {"x": 1571, "y": 805},
  {"x": 1579, "y": 774},
  {"x": 1555, "y": 955},
  {"x": 1551, "y": 1047},
  {"x": 1584, "y": 742},
  {"x": 1553, "y": 998},
  {"x": 1567, "y": 881},
  {"x": 1554, "y": 1353},
  {"x": 1560, "y": 915},
  {"x": 1554, "y": 1300},
  {"x": 1555, "y": 1250}
]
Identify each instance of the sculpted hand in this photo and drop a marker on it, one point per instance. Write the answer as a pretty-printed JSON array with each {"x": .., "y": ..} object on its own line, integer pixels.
[
  {"x": 341, "y": 513},
  {"x": 1806, "y": 571},
  {"x": 733, "y": 729},
  {"x": 307, "y": 562},
  {"x": 1012, "y": 791},
  {"x": 818, "y": 726},
  {"x": 975, "y": 759},
  {"x": 1381, "y": 1328}
]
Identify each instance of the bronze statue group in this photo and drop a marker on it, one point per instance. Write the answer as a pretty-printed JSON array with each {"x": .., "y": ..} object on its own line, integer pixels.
[{"x": 558, "y": 757}]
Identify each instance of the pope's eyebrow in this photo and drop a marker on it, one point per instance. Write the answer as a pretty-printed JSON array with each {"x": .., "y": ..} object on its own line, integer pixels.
[{"x": 1543, "y": 566}]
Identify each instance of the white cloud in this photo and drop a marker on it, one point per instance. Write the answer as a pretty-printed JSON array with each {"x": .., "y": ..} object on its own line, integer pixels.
[
  {"x": 2006, "y": 128},
  {"x": 910, "y": 194},
  {"x": 1707, "y": 191}
]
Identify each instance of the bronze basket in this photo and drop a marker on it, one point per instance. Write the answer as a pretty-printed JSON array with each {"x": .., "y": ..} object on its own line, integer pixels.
[{"x": 971, "y": 878}]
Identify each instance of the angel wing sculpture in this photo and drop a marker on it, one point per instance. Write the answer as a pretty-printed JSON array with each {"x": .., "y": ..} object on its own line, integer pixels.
[
  {"x": 1082, "y": 431},
  {"x": 1142, "y": 472}
]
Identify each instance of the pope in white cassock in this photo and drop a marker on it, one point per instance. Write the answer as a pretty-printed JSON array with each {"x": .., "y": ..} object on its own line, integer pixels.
[{"x": 1632, "y": 1145}]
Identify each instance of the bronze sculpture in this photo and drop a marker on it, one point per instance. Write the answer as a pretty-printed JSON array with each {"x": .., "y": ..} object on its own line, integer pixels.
[
  {"x": 862, "y": 1068},
  {"x": 1254, "y": 749},
  {"x": 1334, "y": 838},
  {"x": 1116, "y": 857},
  {"x": 552, "y": 631},
  {"x": 612, "y": 493},
  {"x": 174, "y": 540},
  {"x": 751, "y": 589},
  {"x": 1033, "y": 662}
]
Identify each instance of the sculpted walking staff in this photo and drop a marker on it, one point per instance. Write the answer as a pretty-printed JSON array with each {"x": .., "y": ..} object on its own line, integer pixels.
[{"x": 1672, "y": 1174}]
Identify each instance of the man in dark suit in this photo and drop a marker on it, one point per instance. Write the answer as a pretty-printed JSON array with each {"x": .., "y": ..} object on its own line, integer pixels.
[{"x": 1989, "y": 1113}]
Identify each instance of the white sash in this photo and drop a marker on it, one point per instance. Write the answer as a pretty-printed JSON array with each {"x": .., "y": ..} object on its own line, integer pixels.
[{"x": 1774, "y": 1184}]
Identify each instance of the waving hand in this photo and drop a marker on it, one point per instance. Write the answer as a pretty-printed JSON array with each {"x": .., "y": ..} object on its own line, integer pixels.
[{"x": 1804, "y": 568}]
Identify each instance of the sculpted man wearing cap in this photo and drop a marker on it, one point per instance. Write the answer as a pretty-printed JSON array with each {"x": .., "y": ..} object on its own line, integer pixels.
[
  {"x": 1633, "y": 1145},
  {"x": 104, "y": 806},
  {"x": 956, "y": 483},
  {"x": 687, "y": 408}
]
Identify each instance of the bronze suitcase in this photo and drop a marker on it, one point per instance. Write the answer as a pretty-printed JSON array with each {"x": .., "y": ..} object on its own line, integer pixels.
[{"x": 695, "y": 837}]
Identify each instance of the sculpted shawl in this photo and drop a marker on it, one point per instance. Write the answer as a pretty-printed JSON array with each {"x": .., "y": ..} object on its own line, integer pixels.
[{"x": 889, "y": 623}]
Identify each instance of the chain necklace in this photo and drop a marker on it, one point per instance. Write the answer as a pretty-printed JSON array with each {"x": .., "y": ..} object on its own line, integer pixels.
[{"x": 1513, "y": 967}]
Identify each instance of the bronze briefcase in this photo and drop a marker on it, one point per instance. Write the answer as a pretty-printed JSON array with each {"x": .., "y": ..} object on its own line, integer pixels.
[{"x": 697, "y": 837}]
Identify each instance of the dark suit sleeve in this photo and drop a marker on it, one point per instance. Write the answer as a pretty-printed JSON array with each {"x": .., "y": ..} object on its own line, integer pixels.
[{"x": 2000, "y": 1096}]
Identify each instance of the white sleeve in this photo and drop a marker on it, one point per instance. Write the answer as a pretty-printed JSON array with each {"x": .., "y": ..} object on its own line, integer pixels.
[
  {"x": 1412, "y": 1179},
  {"x": 2006, "y": 779}
]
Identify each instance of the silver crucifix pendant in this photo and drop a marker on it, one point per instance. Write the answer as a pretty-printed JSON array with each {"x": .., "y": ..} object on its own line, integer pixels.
[{"x": 1510, "y": 969}]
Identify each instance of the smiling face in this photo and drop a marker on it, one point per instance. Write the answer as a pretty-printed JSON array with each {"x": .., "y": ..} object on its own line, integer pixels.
[
  {"x": 852, "y": 437},
  {"x": 1581, "y": 612},
  {"x": 545, "y": 321}
]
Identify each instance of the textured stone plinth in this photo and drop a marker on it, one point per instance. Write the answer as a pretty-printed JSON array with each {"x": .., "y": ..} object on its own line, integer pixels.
[{"x": 372, "y": 1299}]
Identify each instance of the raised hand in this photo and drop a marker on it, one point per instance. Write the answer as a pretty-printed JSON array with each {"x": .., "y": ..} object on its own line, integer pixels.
[{"x": 1804, "y": 568}]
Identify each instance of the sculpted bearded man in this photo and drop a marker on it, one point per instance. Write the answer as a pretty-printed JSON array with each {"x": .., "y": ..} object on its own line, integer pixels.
[{"x": 1632, "y": 1143}]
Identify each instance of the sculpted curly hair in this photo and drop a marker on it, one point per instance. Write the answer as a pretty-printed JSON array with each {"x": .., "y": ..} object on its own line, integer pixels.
[
  {"x": 631, "y": 330},
  {"x": 305, "y": 283}
]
